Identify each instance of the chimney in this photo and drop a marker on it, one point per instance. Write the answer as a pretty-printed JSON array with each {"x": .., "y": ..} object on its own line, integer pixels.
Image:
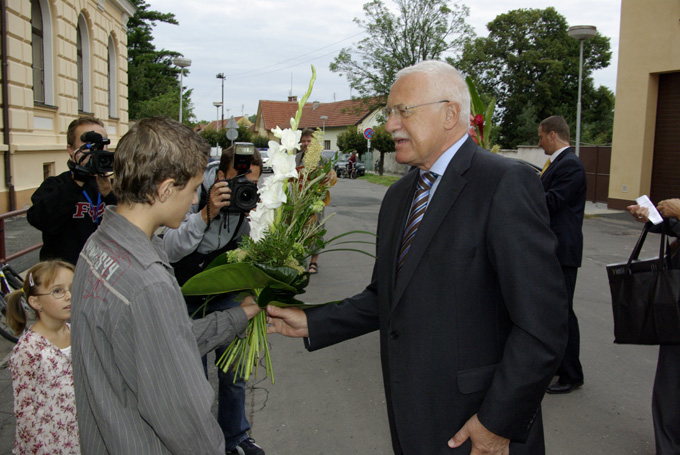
[{"x": 292, "y": 98}]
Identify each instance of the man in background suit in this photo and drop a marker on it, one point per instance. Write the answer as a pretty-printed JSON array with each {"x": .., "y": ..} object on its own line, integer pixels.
[
  {"x": 473, "y": 319},
  {"x": 564, "y": 181}
]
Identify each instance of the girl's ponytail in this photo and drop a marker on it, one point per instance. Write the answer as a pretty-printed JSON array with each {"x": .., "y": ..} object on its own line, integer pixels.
[{"x": 16, "y": 311}]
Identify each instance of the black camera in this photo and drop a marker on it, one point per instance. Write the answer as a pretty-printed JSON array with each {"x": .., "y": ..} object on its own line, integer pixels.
[
  {"x": 244, "y": 196},
  {"x": 100, "y": 162}
]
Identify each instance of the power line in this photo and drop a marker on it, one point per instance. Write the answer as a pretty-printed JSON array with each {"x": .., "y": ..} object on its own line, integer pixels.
[
  {"x": 236, "y": 75},
  {"x": 284, "y": 68}
]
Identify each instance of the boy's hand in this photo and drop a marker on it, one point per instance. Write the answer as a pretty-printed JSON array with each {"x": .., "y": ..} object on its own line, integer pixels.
[
  {"x": 250, "y": 307},
  {"x": 291, "y": 322}
]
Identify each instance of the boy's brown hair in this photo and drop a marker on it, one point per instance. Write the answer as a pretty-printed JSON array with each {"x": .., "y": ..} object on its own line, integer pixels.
[{"x": 154, "y": 150}]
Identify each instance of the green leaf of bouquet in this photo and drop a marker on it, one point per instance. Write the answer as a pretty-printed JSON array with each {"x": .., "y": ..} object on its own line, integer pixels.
[
  {"x": 354, "y": 241},
  {"x": 345, "y": 234},
  {"x": 280, "y": 273},
  {"x": 477, "y": 104},
  {"x": 219, "y": 260},
  {"x": 270, "y": 296},
  {"x": 350, "y": 249},
  {"x": 487, "y": 120},
  {"x": 231, "y": 278}
]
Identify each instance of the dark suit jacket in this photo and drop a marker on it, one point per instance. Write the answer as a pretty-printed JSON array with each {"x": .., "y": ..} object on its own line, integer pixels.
[
  {"x": 477, "y": 321},
  {"x": 565, "y": 191}
]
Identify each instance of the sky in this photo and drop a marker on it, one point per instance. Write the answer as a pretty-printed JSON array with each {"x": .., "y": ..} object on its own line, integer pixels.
[{"x": 265, "y": 47}]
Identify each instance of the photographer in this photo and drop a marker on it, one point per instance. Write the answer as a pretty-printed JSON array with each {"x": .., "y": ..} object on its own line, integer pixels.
[
  {"x": 68, "y": 208},
  {"x": 214, "y": 225}
]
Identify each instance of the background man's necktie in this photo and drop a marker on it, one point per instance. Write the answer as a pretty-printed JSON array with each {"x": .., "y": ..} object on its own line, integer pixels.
[
  {"x": 418, "y": 207},
  {"x": 545, "y": 166}
]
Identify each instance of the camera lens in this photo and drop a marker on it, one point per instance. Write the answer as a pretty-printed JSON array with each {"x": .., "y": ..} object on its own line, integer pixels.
[{"x": 246, "y": 197}]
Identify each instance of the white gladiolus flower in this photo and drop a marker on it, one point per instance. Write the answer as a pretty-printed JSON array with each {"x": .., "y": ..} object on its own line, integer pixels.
[
  {"x": 290, "y": 139},
  {"x": 272, "y": 194},
  {"x": 274, "y": 148},
  {"x": 277, "y": 132},
  {"x": 260, "y": 220},
  {"x": 283, "y": 166}
]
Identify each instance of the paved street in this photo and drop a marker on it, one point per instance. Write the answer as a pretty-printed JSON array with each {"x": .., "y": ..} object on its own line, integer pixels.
[{"x": 331, "y": 402}]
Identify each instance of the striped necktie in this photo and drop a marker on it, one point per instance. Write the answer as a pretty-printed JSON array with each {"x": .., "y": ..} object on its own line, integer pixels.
[{"x": 416, "y": 214}]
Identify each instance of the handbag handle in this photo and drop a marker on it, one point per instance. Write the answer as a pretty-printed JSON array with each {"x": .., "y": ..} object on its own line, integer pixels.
[{"x": 664, "y": 247}]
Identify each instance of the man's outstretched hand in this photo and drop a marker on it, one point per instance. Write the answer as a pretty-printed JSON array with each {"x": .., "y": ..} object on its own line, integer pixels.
[{"x": 291, "y": 322}]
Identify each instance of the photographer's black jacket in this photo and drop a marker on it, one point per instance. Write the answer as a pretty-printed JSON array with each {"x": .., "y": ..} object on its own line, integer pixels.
[{"x": 64, "y": 215}]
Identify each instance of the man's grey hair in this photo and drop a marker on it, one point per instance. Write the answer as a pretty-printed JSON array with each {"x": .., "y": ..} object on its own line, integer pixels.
[{"x": 445, "y": 81}]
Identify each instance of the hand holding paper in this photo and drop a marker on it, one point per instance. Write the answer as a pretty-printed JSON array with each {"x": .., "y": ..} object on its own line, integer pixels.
[{"x": 654, "y": 216}]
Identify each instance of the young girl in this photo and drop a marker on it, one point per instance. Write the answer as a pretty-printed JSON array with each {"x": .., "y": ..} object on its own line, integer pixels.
[{"x": 42, "y": 377}]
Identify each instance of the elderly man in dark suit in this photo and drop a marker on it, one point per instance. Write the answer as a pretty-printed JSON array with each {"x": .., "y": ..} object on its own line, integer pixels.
[
  {"x": 564, "y": 181},
  {"x": 468, "y": 297}
]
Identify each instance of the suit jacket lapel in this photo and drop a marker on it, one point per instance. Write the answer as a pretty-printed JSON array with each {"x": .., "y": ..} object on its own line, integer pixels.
[
  {"x": 552, "y": 166},
  {"x": 448, "y": 190}
]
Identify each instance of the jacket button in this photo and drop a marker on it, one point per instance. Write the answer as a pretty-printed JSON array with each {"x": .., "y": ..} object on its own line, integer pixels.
[{"x": 394, "y": 335}]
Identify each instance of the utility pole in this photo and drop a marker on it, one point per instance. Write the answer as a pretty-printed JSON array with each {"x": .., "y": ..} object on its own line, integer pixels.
[{"x": 223, "y": 77}]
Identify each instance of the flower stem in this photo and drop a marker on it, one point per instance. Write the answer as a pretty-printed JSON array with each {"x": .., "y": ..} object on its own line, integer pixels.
[{"x": 243, "y": 354}]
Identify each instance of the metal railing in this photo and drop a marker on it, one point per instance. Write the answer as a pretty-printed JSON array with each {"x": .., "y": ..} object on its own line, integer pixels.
[{"x": 3, "y": 252}]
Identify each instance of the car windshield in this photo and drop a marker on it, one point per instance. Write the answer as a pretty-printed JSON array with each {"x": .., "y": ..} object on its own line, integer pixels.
[
  {"x": 263, "y": 154},
  {"x": 328, "y": 154}
]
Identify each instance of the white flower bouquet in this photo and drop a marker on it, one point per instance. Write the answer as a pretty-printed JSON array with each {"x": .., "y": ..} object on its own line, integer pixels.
[{"x": 271, "y": 264}]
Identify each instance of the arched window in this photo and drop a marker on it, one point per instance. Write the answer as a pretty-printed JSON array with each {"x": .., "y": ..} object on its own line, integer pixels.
[
  {"x": 83, "y": 63},
  {"x": 41, "y": 46},
  {"x": 112, "y": 71},
  {"x": 38, "y": 52}
]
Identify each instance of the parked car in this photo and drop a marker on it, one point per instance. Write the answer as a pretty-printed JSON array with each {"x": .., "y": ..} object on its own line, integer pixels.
[
  {"x": 343, "y": 160},
  {"x": 266, "y": 167},
  {"x": 329, "y": 155}
]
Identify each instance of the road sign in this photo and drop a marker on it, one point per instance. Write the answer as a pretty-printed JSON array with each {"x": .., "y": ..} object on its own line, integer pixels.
[
  {"x": 368, "y": 133},
  {"x": 232, "y": 123},
  {"x": 232, "y": 134}
]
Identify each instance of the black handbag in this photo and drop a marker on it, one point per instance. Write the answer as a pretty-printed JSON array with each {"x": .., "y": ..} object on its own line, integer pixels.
[{"x": 645, "y": 295}]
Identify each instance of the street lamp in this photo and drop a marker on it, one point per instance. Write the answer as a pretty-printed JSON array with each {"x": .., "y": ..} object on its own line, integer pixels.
[
  {"x": 217, "y": 104},
  {"x": 182, "y": 63},
  {"x": 223, "y": 77},
  {"x": 324, "y": 118},
  {"x": 581, "y": 33}
]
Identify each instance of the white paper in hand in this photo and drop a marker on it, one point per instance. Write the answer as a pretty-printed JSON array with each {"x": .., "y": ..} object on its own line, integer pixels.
[{"x": 654, "y": 215}]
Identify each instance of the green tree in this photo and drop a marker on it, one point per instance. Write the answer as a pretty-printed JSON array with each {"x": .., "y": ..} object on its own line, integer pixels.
[
  {"x": 528, "y": 59},
  {"x": 382, "y": 143},
  {"x": 216, "y": 138},
  {"x": 210, "y": 135},
  {"x": 260, "y": 141},
  {"x": 597, "y": 123},
  {"x": 244, "y": 135},
  {"x": 153, "y": 81},
  {"x": 353, "y": 139},
  {"x": 423, "y": 30}
]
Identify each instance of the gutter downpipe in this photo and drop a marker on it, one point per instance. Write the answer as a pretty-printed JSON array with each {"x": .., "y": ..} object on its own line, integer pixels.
[{"x": 5, "y": 107}]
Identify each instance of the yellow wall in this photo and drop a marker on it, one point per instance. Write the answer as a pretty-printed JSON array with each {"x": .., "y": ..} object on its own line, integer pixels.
[
  {"x": 649, "y": 45},
  {"x": 37, "y": 132}
]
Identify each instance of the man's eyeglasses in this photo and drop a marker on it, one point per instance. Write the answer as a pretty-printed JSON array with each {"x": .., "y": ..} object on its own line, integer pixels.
[
  {"x": 57, "y": 293},
  {"x": 401, "y": 111}
]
